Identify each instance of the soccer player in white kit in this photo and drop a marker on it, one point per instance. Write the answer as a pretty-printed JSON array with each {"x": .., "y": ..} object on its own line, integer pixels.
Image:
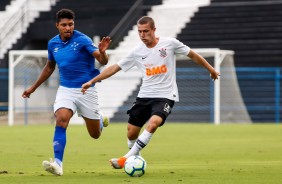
[{"x": 155, "y": 58}]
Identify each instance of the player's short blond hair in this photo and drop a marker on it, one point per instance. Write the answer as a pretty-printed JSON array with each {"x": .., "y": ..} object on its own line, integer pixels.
[{"x": 146, "y": 20}]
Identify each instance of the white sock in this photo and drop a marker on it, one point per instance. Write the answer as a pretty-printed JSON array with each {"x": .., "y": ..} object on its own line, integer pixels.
[
  {"x": 130, "y": 144},
  {"x": 140, "y": 143}
]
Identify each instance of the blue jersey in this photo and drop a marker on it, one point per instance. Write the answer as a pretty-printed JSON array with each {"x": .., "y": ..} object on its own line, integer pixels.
[{"x": 74, "y": 59}]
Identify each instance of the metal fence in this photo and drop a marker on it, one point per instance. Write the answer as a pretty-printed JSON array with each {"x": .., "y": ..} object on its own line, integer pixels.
[{"x": 261, "y": 91}]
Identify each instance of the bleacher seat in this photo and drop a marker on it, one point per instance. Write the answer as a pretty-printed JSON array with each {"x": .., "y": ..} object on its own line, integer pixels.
[
  {"x": 253, "y": 31},
  {"x": 3, "y": 4},
  {"x": 96, "y": 19}
]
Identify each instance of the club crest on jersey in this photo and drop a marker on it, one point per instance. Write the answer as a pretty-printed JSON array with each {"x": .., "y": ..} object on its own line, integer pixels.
[
  {"x": 167, "y": 108},
  {"x": 74, "y": 45},
  {"x": 163, "y": 52}
]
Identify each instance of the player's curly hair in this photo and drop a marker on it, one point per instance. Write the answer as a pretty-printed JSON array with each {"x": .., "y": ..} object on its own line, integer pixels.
[{"x": 64, "y": 13}]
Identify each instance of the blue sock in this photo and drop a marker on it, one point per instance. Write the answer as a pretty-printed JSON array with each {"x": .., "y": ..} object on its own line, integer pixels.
[{"x": 59, "y": 143}]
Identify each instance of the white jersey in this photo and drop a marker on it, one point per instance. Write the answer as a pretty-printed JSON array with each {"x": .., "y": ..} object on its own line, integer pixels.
[{"x": 157, "y": 66}]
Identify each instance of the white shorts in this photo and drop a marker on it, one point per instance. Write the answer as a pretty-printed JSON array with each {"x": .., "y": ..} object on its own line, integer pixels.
[{"x": 85, "y": 105}]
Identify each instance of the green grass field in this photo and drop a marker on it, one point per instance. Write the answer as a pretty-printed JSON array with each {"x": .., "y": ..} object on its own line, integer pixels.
[{"x": 177, "y": 154}]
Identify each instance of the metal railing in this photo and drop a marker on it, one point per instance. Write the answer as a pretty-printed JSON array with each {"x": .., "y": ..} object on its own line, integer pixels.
[
  {"x": 16, "y": 22},
  {"x": 127, "y": 20}
]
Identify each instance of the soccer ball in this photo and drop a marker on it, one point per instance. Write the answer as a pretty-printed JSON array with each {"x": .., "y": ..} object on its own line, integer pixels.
[{"x": 135, "y": 166}]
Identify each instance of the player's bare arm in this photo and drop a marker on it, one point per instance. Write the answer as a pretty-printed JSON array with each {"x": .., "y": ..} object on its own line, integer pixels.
[
  {"x": 45, "y": 74},
  {"x": 108, "y": 72},
  {"x": 101, "y": 56},
  {"x": 201, "y": 61}
]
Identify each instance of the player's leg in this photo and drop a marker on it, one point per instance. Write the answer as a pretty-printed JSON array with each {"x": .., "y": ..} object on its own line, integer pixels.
[
  {"x": 138, "y": 115},
  {"x": 88, "y": 108},
  {"x": 63, "y": 117},
  {"x": 144, "y": 138},
  {"x": 94, "y": 127},
  {"x": 63, "y": 110},
  {"x": 132, "y": 135},
  {"x": 55, "y": 166},
  {"x": 161, "y": 108}
]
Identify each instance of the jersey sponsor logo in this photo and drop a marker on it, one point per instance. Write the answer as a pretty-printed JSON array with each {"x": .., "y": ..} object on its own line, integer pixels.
[
  {"x": 144, "y": 57},
  {"x": 163, "y": 52},
  {"x": 56, "y": 49},
  {"x": 156, "y": 70}
]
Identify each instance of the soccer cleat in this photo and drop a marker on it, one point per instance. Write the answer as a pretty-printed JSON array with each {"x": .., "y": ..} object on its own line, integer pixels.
[
  {"x": 118, "y": 163},
  {"x": 52, "y": 167}
]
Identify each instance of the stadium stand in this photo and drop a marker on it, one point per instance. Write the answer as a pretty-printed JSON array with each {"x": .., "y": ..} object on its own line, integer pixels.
[
  {"x": 95, "y": 20},
  {"x": 253, "y": 29},
  {"x": 3, "y": 4},
  {"x": 88, "y": 18},
  {"x": 99, "y": 18},
  {"x": 164, "y": 16},
  {"x": 14, "y": 22}
]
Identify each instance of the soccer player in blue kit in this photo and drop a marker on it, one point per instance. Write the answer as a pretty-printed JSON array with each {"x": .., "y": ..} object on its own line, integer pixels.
[{"x": 74, "y": 53}]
